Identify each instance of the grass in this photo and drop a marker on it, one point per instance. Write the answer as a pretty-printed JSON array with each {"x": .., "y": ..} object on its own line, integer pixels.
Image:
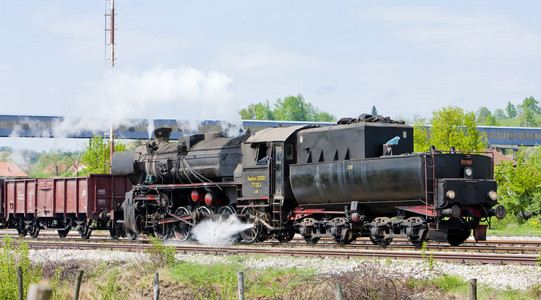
[
  {"x": 219, "y": 281},
  {"x": 511, "y": 226}
]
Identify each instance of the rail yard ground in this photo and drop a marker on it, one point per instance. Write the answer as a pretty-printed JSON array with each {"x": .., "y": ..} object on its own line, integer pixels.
[{"x": 129, "y": 275}]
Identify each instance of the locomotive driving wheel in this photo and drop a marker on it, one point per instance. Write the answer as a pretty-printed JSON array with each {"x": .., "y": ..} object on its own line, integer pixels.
[
  {"x": 252, "y": 234},
  {"x": 181, "y": 230},
  {"x": 163, "y": 231},
  {"x": 226, "y": 211}
]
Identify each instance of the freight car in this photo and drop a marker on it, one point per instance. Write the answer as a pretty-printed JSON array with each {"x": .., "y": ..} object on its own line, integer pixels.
[
  {"x": 87, "y": 203},
  {"x": 359, "y": 177}
]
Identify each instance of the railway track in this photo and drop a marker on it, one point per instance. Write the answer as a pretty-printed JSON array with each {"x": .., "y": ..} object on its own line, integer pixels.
[
  {"x": 296, "y": 251},
  {"x": 470, "y": 246}
]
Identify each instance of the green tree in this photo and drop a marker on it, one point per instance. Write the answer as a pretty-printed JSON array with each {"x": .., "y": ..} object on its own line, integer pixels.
[
  {"x": 290, "y": 108},
  {"x": 519, "y": 186},
  {"x": 511, "y": 110},
  {"x": 451, "y": 126},
  {"x": 531, "y": 104},
  {"x": 527, "y": 118},
  {"x": 499, "y": 114},
  {"x": 96, "y": 155},
  {"x": 259, "y": 111},
  {"x": 482, "y": 114},
  {"x": 528, "y": 110}
]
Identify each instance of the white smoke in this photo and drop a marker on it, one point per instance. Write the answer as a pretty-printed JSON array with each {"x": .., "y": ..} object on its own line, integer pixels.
[
  {"x": 129, "y": 97},
  {"x": 220, "y": 231}
]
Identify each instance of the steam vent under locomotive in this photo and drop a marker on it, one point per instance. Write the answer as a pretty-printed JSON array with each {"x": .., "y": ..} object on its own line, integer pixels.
[{"x": 356, "y": 178}]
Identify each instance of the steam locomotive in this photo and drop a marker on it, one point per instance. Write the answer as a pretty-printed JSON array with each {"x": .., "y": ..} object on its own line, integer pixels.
[{"x": 356, "y": 178}]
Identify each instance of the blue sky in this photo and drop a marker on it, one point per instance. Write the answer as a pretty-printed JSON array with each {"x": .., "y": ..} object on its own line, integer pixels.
[{"x": 208, "y": 59}]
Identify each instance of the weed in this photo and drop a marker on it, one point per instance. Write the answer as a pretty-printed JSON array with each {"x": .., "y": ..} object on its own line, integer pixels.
[
  {"x": 110, "y": 290},
  {"x": 11, "y": 258},
  {"x": 160, "y": 254},
  {"x": 430, "y": 258}
]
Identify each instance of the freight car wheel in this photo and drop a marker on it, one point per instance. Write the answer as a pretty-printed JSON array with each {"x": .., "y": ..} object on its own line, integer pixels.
[
  {"x": 34, "y": 233},
  {"x": 21, "y": 229},
  {"x": 85, "y": 232},
  {"x": 62, "y": 233},
  {"x": 182, "y": 230}
]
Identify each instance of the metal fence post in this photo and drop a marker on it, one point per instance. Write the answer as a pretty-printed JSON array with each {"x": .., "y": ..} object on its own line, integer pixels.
[
  {"x": 156, "y": 286},
  {"x": 240, "y": 279},
  {"x": 78, "y": 285},
  {"x": 338, "y": 291},
  {"x": 20, "y": 282},
  {"x": 473, "y": 289}
]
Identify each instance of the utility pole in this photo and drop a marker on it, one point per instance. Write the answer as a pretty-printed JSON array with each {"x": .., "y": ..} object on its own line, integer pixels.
[{"x": 111, "y": 16}]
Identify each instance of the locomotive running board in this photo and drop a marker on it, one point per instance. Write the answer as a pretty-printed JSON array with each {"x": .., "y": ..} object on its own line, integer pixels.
[{"x": 425, "y": 210}]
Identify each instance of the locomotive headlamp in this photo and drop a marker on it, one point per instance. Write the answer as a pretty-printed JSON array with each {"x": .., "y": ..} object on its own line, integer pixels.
[
  {"x": 468, "y": 172},
  {"x": 450, "y": 194},
  {"x": 492, "y": 195}
]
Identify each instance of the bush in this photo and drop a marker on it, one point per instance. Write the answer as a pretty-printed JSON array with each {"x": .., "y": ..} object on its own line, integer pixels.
[{"x": 11, "y": 258}]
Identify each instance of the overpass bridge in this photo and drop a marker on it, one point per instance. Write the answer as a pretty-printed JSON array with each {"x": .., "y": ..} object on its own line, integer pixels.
[{"x": 47, "y": 127}]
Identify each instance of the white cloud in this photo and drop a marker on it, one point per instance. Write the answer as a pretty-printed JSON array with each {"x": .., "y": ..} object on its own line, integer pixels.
[{"x": 471, "y": 35}]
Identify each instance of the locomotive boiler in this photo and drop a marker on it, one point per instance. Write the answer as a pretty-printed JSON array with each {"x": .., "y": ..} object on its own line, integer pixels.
[{"x": 356, "y": 178}]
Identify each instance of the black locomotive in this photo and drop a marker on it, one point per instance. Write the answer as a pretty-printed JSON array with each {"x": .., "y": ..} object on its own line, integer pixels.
[{"x": 359, "y": 177}]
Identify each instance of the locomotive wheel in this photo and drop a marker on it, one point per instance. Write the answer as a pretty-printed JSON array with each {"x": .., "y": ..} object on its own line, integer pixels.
[
  {"x": 226, "y": 211},
  {"x": 311, "y": 240},
  {"x": 285, "y": 235},
  {"x": 62, "y": 233},
  {"x": 131, "y": 235},
  {"x": 253, "y": 234},
  {"x": 459, "y": 231},
  {"x": 182, "y": 230},
  {"x": 345, "y": 239},
  {"x": 381, "y": 241},
  {"x": 203, "y": 212},
  {"x": 163, "y": 231},
  {"x": 419, "y": 224},
  {"x": 419, "y": 241}
]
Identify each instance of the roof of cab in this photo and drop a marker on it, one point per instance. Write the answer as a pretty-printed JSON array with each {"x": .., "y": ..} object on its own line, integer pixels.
[{"x": 278, "y": 134}]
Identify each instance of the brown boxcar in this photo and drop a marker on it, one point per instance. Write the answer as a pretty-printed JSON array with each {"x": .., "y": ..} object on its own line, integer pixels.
[{"x": 92, "y": 202}]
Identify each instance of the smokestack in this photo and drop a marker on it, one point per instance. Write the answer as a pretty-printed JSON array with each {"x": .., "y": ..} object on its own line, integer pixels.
[{"x": 161, "y": 135}]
